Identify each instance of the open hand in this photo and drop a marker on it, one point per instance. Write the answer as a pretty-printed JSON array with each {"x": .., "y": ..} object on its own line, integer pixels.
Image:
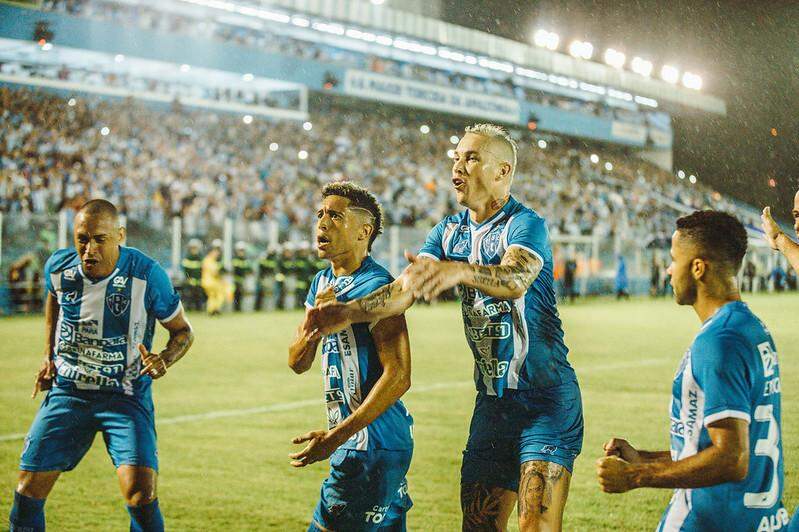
[
  {"x": 328, "y": 295},
  {"x": 152, "y": 363},
  {"x": 770, "y": 228},
  {"x": 320, "y": 447},
  {"x": 325, "y": 319},
  {"x": 44, "y": 377},
  {"x": 427, "y": 278}
]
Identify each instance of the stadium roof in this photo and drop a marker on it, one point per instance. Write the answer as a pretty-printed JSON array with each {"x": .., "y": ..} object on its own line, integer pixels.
[{"x": 362, "y": 13}]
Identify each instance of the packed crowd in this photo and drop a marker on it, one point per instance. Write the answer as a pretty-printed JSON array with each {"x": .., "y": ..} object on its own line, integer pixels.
[
  {"x": 205, "y": 166},
  {"x": 270, "y": 41},
  {"x": 101, "y": 76}
]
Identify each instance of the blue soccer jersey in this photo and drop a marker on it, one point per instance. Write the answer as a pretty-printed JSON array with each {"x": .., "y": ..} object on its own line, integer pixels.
[
  {"x": 517, "y": 344},
  {"x": 351, "y": 365},
  {"x": 102, "y": 321},
  {"x": 730, "y": 371}
]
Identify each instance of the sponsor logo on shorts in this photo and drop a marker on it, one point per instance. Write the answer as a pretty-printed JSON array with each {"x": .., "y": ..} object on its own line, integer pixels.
[
  {"x": 376, "y": 515},
  {"x": 549, "y": 449}
]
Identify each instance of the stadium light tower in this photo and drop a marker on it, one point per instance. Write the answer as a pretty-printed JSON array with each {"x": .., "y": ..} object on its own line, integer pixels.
[
  {"x": 641, "y": 66},
  {"x": 670, "y": 74},
  {"x": 546, "y": 39},
  {"x": 692, "y": 81},
  {"x": 614, "y": 58}
]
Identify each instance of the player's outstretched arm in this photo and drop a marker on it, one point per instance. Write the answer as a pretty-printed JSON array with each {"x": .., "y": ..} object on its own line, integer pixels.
[
  {"x": 181, "y": 337},
  {"x": 389, "y": 300},
  {"x": 426, "y": 278},
  {"x": 726, "y": 460},
  {"x": 779, "y": 240},
  {"x": 44, "y": 378},
  {"x": 393, "y": 348}
]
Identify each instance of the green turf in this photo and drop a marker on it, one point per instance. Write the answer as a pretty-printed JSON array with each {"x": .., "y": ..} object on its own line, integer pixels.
[{"x": 232, "y": 473}]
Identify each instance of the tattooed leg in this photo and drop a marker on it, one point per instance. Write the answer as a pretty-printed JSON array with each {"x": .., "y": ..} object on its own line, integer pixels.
[
  {"x": 486, "y": 509},
  {"x": 543, "y": 489}
]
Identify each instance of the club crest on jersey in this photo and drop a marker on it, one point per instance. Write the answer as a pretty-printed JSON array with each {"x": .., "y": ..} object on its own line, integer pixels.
[
  {"x": 69, "y": 274},
  {"x": 491, "y": 242},
  {"x": 119, "y": 282},
  {"x": 117, "y": 304}
]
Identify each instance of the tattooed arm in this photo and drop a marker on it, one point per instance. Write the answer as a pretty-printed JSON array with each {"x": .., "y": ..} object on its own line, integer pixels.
[
  {"x": 511, "y": 279},
  {"x": 181, "y": 337},
  {"x": 388, "y": 300},
  {"x": 508, "y": 280}
]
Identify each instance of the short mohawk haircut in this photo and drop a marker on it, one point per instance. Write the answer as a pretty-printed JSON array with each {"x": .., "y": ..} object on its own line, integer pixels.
[
  {"x": 719, "y": 236},
  {"x": 495, "y": 131},
  {"x": 359, "y": 198}
]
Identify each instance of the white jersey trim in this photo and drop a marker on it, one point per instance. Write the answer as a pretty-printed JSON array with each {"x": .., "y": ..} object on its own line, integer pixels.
[
  {"x": 172, "y": 316},
  {"x": 724, "y": 414},
  {"x": 428, "y": 256}
]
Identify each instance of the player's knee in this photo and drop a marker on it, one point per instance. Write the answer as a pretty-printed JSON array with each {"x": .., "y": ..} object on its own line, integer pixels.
[
  {"x": 535, "y": 521},
  {"x": 139, "y": 490},
  {"x": 139, "y": 495},
  {"x": 35, "y": 484}
]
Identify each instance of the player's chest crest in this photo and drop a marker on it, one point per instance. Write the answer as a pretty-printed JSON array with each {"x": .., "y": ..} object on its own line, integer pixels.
[
  {"x": 490, "y": 243},
  {"x": 117, "y": 303}
]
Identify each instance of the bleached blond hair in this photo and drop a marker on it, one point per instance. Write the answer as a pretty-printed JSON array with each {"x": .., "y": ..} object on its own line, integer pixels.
[{"x": 496, "y": 132}]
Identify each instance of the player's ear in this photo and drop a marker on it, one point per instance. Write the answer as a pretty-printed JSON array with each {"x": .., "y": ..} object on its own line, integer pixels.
[
  {"x": 366, "y": 231},
  {"x": 504, "y": 170},
  {"x": 698, "y": 268},
  {"x": 122, "y": 234}
]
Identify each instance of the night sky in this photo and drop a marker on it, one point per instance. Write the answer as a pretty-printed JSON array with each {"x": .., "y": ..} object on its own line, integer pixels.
[{"x": 747, "y": 53}]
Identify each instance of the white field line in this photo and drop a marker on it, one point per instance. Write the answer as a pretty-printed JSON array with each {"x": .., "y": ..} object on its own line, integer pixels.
[{"x": 296, "y": 405}]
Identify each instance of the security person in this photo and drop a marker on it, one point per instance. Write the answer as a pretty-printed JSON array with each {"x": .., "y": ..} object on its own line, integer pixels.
[
  {"x": 267, "y": 269},
  {"x": 242, "y": 269},
  {"x": 192, "y": 265}
]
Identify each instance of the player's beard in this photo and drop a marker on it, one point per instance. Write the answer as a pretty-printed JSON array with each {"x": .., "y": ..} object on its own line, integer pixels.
[{"x": 687, "y": 294}]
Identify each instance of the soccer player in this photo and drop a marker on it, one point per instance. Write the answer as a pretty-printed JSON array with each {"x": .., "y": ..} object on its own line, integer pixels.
[
  {"x": 779, "y": 240},
  {"x": 725, "y": 463},
  {"x": 527, "y": 427},
  {"x": 102, "y": 303},
  {"x": 366, "y": 368}
]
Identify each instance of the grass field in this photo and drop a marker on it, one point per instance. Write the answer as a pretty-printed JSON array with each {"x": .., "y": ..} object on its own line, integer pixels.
[{"x": 228, "y": 411}]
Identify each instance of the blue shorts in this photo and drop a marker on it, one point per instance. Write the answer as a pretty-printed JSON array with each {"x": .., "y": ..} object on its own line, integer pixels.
[
  {"x": 366, "y": 490},
  {"x": 545, "y": 425},
  {"x": 68, "y": 420}
]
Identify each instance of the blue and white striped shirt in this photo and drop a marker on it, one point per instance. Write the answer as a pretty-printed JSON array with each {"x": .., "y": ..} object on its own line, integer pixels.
[
  {"x": 517, "y": 344},
  {"x": 101, "y": 322}
]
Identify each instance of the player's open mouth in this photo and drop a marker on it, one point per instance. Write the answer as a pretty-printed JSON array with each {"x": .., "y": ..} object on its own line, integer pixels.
[
  {"x": 322, "y": 241},
  {"x": 458, "y": 183},
  {"x": 90, "y": 262}
]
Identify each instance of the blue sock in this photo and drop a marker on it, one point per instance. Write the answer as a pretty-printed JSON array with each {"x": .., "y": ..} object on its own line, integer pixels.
[
  {"x": 27, "y": 514},
  {"x": 146, "y": 518}
]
